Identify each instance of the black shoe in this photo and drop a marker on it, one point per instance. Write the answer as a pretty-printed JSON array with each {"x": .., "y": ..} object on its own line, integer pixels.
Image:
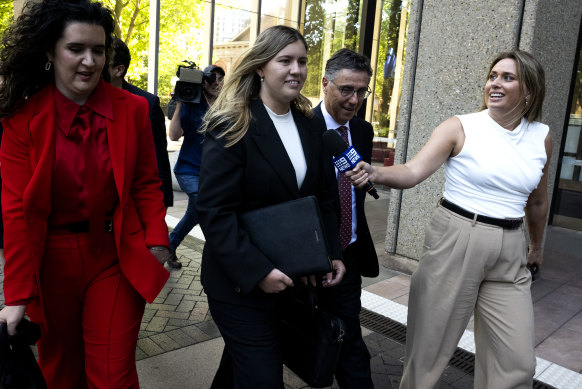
[{"x": 173, "y": 261}]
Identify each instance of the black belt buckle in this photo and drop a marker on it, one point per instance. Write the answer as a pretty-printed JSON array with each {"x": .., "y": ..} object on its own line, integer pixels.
[{"x": 108, "y": 225}]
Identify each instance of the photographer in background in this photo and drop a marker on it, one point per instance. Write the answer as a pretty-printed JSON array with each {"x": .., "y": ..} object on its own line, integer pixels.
[
  {"x": 117, "y": 69},
  {"x": 187, "y": 121}
]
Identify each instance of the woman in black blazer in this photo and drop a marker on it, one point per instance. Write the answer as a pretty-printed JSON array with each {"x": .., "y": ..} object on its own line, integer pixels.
[{"x": 262, "y": 147}]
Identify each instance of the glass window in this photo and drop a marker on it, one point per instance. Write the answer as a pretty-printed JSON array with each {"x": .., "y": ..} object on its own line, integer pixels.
[
  {"x": 283, "y": 12},
  {"x": 568, "y": 200},
  {"x": 181, "y": 35},
  {"x": 388, "y": 72},
  {"x": 232, "y": 31},
  {"x": 329, "y": 26}
]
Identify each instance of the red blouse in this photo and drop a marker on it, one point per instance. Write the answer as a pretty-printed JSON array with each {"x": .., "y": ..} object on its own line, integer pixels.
[{"x": 83, "y": 183}]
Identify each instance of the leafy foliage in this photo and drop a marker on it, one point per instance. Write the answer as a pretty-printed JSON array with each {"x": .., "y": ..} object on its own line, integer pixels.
[
  {"x": 6, "y": 14},
  {"x": 313, "y": 33},
  {"x": 181, "y": 26},
  {"x": 389, "y": 31}
]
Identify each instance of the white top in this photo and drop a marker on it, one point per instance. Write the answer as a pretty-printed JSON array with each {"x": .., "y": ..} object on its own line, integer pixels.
[
  {"x": 497, "y": 169},
  {"x": 287, "y": 130},
  {"x": 331, "y": 124}
]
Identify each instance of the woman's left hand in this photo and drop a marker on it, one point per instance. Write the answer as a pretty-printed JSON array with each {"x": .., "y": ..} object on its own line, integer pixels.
[
  {"x": 335, "y": 276},
  {"x": 535, "y": 257},
  {"x": 161, "y": 253},
  {"x": 12, "y": 315}
]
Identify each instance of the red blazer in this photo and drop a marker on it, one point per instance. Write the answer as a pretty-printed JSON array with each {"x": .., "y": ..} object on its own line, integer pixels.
[{"x": 27, "y": 158}]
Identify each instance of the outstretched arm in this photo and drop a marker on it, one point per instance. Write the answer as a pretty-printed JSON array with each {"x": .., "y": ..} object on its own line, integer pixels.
[{"x": 446, "y": 141}]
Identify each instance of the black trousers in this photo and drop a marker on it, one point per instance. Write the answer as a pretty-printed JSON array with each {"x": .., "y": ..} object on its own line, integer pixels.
[
  {"x": 343, "y": 300},
  {"x": 251, "y": 357}
]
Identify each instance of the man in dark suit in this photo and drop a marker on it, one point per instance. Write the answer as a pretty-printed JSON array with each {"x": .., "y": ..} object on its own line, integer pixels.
[
  {"x": 117, "y": 69},
  {"x": 345, "y": 87}
]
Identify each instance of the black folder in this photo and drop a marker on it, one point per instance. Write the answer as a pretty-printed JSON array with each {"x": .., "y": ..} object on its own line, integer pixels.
[{"x": 291, "y": 235}]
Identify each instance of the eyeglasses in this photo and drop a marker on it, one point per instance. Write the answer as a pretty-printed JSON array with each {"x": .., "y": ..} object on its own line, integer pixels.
[{"x": 348, "y": 92}]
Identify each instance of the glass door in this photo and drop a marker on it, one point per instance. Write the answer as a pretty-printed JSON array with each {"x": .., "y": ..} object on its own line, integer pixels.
[{"x": 568, "y": 197}]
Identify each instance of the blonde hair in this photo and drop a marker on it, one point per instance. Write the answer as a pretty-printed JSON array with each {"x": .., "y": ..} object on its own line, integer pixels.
[
  {"x": 531, "y": 77},
  {"x": 231, "y": 111}
]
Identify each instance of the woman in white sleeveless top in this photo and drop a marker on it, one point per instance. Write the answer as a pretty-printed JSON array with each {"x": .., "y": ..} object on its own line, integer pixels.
[{"x": 475, "y": 257}]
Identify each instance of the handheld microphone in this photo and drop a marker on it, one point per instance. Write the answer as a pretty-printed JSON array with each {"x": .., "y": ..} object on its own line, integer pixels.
[{"x": 345, "y": 157}]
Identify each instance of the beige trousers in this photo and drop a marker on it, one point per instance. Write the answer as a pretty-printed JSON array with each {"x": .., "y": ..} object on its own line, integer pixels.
[{"x": 467, "y": 268}]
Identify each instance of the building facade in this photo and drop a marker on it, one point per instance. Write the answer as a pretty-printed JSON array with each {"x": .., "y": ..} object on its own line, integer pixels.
[
  {"x": 429, "y": 59},
  {"x": 449, "y": 47}
]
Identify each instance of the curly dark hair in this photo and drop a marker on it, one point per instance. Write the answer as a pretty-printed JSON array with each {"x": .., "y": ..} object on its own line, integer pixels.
[{"x": 24, "y": 45}]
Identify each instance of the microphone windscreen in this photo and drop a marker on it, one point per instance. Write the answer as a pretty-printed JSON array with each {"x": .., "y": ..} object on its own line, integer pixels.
[{"x": 334, "y": 143}]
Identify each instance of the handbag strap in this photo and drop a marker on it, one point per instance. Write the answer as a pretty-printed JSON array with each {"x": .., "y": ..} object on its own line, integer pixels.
[{"x": 312, "y": 299}]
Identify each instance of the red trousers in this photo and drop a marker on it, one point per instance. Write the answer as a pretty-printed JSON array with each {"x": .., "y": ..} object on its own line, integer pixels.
[{"x": 92, "y": 316}]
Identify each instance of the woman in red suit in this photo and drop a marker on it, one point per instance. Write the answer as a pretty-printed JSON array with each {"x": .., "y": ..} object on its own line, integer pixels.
[{"x": 85, "y": 236}]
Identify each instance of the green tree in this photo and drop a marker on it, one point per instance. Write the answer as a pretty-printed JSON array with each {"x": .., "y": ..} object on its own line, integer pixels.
[
  {"x": 352, "y": 35},
  {"x": 313, "y": 33},
  {"x": 131, "y": 26},
  {"x": 6, "y": 14},
  {"x": 181, "y": 28},
  {"x": 389, "y": 31}
]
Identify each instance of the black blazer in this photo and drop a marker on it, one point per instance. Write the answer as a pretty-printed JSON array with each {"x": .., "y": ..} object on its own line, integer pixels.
[
  {"x": 255, "y": 172},
  {"x": 158, "y": 122},
  {"x": 362, "y": 136}
]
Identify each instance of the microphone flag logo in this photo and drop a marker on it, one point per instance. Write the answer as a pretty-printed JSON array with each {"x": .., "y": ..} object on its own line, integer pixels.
[{"x": 347, "y": 160}]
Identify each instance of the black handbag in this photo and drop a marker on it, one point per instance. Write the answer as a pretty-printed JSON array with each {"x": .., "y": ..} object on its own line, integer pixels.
[
  {"x": 311, "y": 339},
  {"x": 18, "y": 367}
]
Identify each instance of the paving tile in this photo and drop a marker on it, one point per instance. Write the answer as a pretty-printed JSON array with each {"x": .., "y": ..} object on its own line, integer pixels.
[
  {"x": 181, "y": 337},
  {"x": 198, "y": 314},
  {"x": 157, "y": 324},
  {"x": 161, "y": 307},
  {"x": 140, "y": 354},
  {"x": 173, "y": 314},
  {"x": 542, "y": 287},
  {"x": 180, "y": 323},
  {"x": 194, "y": 291},
  {"x": 196, "y": 333},
  {"x": 389, "y": 288},
  {"x": 210, "y": 328},
  {"x": 564, "y": 347},
  {"x": 567, "y": 297},
  {"x": 173, "y": 299},
  {"x": 549, "y": 317},
  {"x": 185, "y": 307},
  {"x": 575, "y": 324},
  {"x": 149, "y": 347},
  {"x": 402, "y": 299},
  {"x": 146, "y": 334},
  {"x": 165, "y": 342}
]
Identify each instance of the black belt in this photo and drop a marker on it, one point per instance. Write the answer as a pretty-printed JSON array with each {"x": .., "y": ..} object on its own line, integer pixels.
[
  {"x": 83, "y": 227},
  {"x": 508, "y": 224}
]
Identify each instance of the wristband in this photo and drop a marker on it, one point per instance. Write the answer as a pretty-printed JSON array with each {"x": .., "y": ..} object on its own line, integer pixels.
[{"x": 158, "y": 248}]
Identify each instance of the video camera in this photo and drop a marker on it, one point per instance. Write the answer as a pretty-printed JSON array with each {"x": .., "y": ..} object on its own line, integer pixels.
[{"x": 188, "y": 88}]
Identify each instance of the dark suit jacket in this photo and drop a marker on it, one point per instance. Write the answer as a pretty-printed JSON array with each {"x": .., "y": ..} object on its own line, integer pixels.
[
  {"x": 158, "y": 122},
  {"x": 27, "y": 160},
  {"x": 255, "y": 172},
  {"x": 362, "y": 136}
]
